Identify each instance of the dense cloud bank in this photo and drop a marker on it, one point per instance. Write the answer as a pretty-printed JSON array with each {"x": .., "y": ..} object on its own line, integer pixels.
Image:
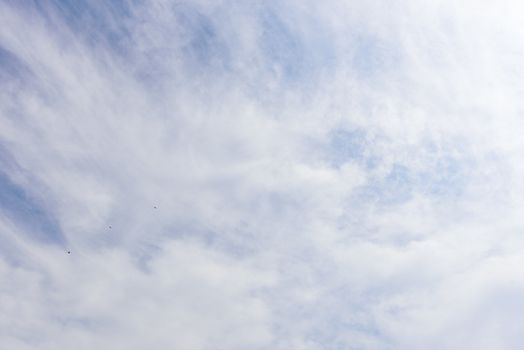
[{"x": 261, "y": 175}]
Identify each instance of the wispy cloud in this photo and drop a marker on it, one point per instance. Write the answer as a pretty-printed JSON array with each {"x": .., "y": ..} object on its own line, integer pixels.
[{"x": 273, "y": 175}]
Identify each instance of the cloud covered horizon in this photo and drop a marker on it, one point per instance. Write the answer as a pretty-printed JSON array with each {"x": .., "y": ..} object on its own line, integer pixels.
[{"x": 267, "y": 175}]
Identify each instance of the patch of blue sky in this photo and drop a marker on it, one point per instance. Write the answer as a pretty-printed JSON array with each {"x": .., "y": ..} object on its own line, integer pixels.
[
  {"x": 282, "y": 48},
  {"x": 194, "y": 45},
  {"x": 202, "y": 41},
  {"x": 396, "y": 187},
  {"x": 350, "y": 145},
  {"x": 442, "y": 174},
  {"x": 372, "y": 56},
  {"x": 346, "y": 146},
  {"x": 294, "y": 56},
  {"x": 447, "y": 177},
  {"x": 96, "y": 22},
  {"x": 28, "y": 212},
  {"x": 11, "y": 67}
]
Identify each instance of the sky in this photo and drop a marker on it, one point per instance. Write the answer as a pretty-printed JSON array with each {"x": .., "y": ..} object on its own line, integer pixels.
[{"x": 234, "y": 175}]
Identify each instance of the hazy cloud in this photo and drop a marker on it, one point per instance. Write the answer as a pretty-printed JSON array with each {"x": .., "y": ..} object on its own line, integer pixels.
[{"x": 271, "y": 175}]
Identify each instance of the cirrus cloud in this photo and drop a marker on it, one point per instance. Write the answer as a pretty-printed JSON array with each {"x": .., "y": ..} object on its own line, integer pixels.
[{"x": 276, "y": 175}]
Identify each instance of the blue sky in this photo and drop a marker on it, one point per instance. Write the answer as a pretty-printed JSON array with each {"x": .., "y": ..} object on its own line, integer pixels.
[{"x": 265, "y": 175}]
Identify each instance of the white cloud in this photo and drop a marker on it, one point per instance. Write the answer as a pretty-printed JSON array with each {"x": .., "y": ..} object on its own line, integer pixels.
[{"x": 325, "y": 176}]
